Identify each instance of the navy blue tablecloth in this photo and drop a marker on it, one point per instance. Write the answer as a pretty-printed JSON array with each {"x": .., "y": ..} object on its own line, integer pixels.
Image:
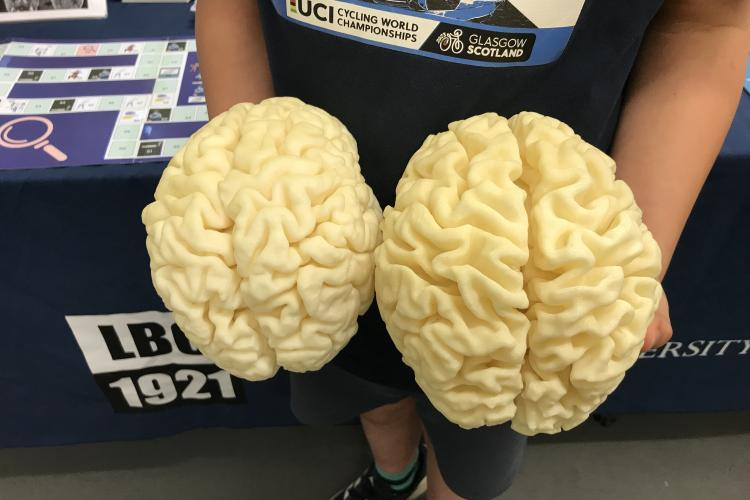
[{"x": 72, "y": 245}]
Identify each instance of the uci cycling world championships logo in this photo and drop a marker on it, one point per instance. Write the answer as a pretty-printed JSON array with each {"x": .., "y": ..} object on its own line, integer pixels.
[{"x": 418, "y": 31}]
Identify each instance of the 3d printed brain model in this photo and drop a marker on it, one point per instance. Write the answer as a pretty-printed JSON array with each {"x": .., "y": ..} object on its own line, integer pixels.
[
  {"x": 261, "y": 238},
  {"x": 515, "y": 275}
]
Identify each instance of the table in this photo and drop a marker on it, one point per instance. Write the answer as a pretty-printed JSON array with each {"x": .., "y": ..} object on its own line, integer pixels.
[{"x": 72, "y": 245}]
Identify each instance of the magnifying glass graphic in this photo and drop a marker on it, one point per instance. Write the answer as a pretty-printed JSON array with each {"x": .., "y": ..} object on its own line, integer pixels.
[{"x": 38, "y": 142}]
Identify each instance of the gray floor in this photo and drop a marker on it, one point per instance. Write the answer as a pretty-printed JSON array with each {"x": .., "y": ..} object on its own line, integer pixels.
[{"x": 665, "y": 457}]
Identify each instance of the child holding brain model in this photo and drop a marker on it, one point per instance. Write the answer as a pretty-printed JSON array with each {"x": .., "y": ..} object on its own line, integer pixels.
[{"x": 654, "y": 84}]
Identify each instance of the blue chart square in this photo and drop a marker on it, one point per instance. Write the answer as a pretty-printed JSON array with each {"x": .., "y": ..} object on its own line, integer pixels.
[{"x": 81, "y": 138}]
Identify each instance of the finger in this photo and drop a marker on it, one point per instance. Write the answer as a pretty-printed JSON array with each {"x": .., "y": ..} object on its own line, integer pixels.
[
  {"x": 665, "y": 332},
  {"x": 661, "y": 334},
  {"x": 648, "y": 340}
]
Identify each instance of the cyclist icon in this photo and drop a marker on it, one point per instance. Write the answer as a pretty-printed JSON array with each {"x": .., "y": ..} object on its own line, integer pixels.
[{"x": 451, "y": 41}]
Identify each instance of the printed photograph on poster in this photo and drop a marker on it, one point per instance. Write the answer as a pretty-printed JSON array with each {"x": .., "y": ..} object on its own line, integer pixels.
[{"x": 43, "y": 10}]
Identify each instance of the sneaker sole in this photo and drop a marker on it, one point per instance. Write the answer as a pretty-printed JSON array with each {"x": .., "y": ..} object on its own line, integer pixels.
[{"x": 420, "y": 490}]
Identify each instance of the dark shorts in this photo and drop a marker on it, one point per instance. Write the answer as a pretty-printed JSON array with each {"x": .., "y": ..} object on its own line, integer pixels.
[{"x": 477, "y": 464}]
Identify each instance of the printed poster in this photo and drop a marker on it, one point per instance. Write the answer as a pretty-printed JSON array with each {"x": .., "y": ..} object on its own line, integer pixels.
[{"x": 70, "y": 104}]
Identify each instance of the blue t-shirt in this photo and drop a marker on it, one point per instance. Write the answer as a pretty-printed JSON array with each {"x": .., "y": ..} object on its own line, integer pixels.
[{"x": 395, "y": 71}]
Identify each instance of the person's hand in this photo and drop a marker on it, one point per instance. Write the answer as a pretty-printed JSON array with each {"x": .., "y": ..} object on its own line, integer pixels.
[{"x": 660, "y": 329}]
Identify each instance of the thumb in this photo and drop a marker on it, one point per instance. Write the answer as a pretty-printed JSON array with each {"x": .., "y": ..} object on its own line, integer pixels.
[{"x": 659, "y": 331}]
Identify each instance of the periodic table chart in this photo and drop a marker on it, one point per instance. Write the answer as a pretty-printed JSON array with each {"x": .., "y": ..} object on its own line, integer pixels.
[{"x": 112, "y": 101}]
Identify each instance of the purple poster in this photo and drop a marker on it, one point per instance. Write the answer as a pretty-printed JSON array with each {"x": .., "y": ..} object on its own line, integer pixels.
[
  {"x": 111, "y": 101},
  {"x": 191, "y": 89}
]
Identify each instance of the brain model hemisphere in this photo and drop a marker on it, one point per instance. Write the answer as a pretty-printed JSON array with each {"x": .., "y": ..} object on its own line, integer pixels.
[
  {"x": 515, "y": 275},
  {"x": 261, "y": 238}
]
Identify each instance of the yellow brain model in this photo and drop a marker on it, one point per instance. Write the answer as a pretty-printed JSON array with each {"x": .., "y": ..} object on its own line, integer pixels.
[
  {"x": 261, "y": 238},
  {"x": 515, "y": 275}
]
